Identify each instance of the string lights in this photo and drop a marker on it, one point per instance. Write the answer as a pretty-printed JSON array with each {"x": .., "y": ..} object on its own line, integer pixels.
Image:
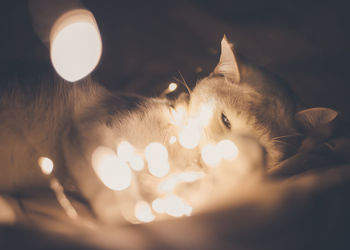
[{"x": 119, "y": 168}]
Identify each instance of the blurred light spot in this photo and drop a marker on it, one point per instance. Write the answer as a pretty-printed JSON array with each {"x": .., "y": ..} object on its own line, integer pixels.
[
  {"x": 168, "y": 185},
  {"x": 76, "y": 45},
  {"x": 190, "y": 136},
  {"x": 143, "y": 212},
  {"x": 205, "y": 113},
  {"x": 227, "y": 149},
  {"x": 211, "y": 155},
  {"x": 175, "y": 206},
  {"x": 172, "y": 139},
  {"x": 156, "y": 151},
  {"x": 158, "y": 206},
  {"x": 125, "y": 151},
  {"x": 136, "y": 163},
  {"x": 46, "y": 165},
  {"x": 172, "y": 86},
  {"x": 112, "y": 171},
  {"x": 157, "y": 157},
  {"x": 158, "y": 169}
]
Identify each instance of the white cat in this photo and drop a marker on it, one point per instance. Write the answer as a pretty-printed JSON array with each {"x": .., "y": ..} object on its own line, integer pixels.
[{"x": 66, "y": 123}]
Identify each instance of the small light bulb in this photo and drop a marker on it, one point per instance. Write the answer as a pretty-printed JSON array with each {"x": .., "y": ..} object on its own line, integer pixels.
[
  {"x": 157, "y": 158},
  {"x": 143, "y": 212},
  {"x": 211, "y": 155},
  {"x": 172, "y": 87},
  {"x": 158, "y": 206},
  {"x": 190, "y": 136},
  {"x": 136, "y": 163},
  {"x": 112, "y": 171},
  {"x": 46, "y": 165},
  {"x": 176, "y": 207},
  {"x": 227, "y": 149},
  {"x": 75, "y": 45},
  {"x": 125, "y": 151}
]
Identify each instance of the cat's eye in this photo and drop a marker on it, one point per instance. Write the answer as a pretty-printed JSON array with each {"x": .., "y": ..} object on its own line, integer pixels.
[{"x": 226, "y": 121}]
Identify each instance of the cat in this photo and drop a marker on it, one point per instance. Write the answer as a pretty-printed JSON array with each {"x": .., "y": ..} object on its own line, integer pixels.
[
  {"x": 251, "y": 100},
  {"x": 67, "y": 122}
]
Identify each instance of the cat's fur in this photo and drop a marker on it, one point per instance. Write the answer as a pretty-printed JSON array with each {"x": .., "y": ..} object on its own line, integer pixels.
[{"x": 66, "y": 122}]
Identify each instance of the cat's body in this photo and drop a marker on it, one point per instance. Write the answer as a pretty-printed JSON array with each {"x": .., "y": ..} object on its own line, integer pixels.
[{"x": 66, "y": 122}]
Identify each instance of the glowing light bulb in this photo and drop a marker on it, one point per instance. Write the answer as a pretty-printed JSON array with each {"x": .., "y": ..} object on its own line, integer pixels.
[
  {"x": 190, "y": 136},
  {"x": 227, "y": 149},
  {"x": 175, "y": 206},
  {"x": 158, "y": 206},
  {"x": 125, "y": 151},
  {"x": 46, "y": 165},
  {"x": 158, "y": 169},
  {"x": 205, "y": 113},
  {"x": 112, "y": 171},
  {"x": 136, "y": 163},
  {"x": 156, "y": 151},
  {"x": 157, "y": 157},
  {"x": 143, "y": 212},
  {"x": 211, "y": 155},
  {"x": 168, "y": 185},
  {"x": 75, "y": 45},
  {"x": 172, "y": 86}
]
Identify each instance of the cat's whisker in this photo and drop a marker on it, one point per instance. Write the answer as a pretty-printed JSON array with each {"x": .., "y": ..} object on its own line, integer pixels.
[
  {"x": 286, "y": 136},
  {"x": 284, "y": 142},
  {"x": 183, "y": 82}
]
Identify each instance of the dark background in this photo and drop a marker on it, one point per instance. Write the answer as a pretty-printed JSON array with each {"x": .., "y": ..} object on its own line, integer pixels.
[{"x": 147, "y": 43}]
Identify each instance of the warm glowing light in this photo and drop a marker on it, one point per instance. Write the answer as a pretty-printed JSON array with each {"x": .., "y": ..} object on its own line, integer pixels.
[
  {"x": 157, "y": 157},
  {"x": 158, "y": 206},
  {"x": 46, "y": 165},
  {"x": 156, "y": 151},
  {"x": 205, "y": 114},
  {"x": 172, "y": 86},
  {"x": 75, "y": 45},
  {"x": 136, "y": 163},
  {"x": 172, "y": 139},
  {"x": 174, "y": 206},
  {"x": 62, "y": 198},
  {"x": 143, "y": 212},
  {"x": 211, "y": 155},
  {"x": 125, "y": 151},
  {"x": 112, "y": 171},
  {"x": 190, "y": 136},
  {"x": 168, "y": 185},
  {"x": 227, "y": 149},
  {"x": 158, "y": 169},
  {"x": 224, "y": 150}
]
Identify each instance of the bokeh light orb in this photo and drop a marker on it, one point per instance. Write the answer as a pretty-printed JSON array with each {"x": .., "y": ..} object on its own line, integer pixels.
[{"x": 75, "y": 45}]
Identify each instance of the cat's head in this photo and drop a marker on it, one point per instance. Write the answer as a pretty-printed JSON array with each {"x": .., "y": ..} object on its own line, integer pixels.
[{"x": 239, "y": 99}]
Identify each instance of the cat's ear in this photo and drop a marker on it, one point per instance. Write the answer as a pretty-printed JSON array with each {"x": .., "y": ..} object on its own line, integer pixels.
[
  {"x": 314, "y": 117},
  {"x": 228, "y": 63}
]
